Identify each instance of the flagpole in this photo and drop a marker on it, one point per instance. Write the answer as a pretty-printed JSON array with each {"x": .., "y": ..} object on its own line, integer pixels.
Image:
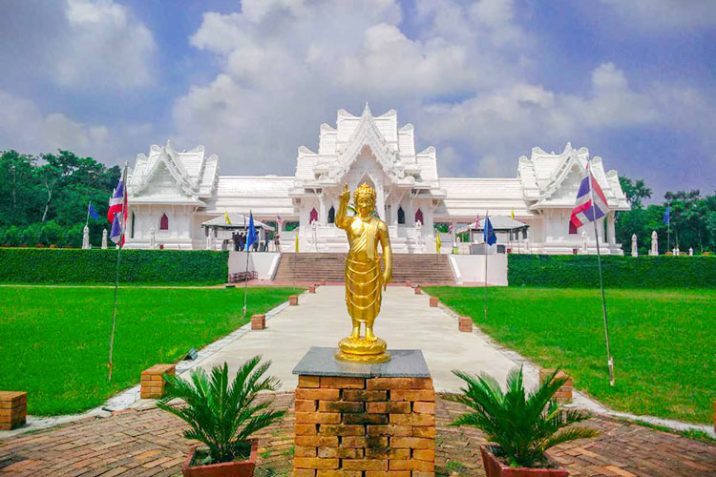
[
  {"x": 248, "y": 250},
  {"x": 610, "y": 359},
  {"x": 116, "y": 275},
  {"x": 485, "y": 238},
  {"x": 246, "y": 281}
]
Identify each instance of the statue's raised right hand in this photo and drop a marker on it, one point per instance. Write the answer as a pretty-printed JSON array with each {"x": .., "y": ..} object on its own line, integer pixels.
[{"x": 345, "y": 194}]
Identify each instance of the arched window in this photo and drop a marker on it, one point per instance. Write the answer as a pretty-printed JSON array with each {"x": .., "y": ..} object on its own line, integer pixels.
[
  {"x": 401, "y": 215},
  {"x": 164, "y": 222},
  {"x": 419, "y": 217},
  {"x": 313, "y": 217},
  {"x": 331, "y": 215}
]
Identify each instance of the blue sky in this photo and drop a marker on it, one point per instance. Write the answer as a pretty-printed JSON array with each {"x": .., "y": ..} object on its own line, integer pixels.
[{"x": 483, "y": 81}]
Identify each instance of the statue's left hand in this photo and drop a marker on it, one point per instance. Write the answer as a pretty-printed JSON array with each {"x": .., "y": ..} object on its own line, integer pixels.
[{"x": 387, "y": 276}]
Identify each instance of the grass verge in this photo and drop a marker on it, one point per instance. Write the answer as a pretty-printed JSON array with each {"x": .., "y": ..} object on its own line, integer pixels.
[
  {"x": 54, "y": 341},
  {"x": 662, "y": 341}
]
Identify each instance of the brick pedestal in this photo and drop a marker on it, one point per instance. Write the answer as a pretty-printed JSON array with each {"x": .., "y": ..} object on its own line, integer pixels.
[
  {"x": 465, "y": 324},
  {"x": 13, "y": 409},
  {"x": 434, "y": 301},
  {"x": 564, "y": 393},
  {"x": 293, "y": 300},
  {"x": 258, "y": 322},
  {"x": 378, "y": 424},
  {"x": 152, "y": 383}
]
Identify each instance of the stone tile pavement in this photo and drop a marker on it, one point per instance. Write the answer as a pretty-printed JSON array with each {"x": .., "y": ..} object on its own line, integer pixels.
[{"x": 148, "y": 442}]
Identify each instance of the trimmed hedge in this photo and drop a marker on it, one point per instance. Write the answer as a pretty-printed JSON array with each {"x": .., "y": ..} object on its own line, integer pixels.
[
  {"x": 26, "y": 265},
  {"x": 580, "y": 271}
]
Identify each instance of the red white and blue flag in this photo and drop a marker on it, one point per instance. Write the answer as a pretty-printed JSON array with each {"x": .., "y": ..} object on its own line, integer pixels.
[
  {"x": 591, "y": 203},
  {"x": 117, "y": 213}
]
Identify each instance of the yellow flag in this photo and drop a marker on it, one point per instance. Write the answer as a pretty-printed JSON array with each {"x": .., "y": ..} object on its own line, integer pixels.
[
  {"x": 296, "y": 241},
  {"x": 438, "y": 242},
  {"x": 513, "y": 214},
  {"x": 226, "y": 218}
]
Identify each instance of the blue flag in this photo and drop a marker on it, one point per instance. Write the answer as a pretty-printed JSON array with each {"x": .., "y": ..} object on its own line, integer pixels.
[
  {"x": 667, "y": 215},
  {"x": 251, "y": 235},
  {"x": 92, "y": 212},
  {"x": 488, "y": 233}
]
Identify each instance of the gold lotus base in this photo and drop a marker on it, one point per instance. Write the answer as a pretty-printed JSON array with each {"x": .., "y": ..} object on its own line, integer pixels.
[{"x": 362, "y": 350}]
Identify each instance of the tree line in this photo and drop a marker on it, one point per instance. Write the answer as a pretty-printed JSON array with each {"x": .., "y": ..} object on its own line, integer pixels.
[
  {"x": 44, "y": 198},
  {"x": 692, "y": 220}
]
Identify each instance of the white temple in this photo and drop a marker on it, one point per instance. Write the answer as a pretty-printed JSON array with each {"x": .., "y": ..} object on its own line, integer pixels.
[{"x": 171, "y": 193}]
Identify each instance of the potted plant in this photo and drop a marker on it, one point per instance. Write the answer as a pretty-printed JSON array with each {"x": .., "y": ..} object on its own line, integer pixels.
[
  {"x": 223, "y": 415},
  {"x": 520, "y": 426}
]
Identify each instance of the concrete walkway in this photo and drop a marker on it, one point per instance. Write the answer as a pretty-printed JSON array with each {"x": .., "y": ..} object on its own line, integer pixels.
[{"x": 406, "y": 321}]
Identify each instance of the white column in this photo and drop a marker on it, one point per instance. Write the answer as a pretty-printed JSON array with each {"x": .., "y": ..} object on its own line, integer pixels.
[
  {"x": 611, "y": 231},
  {"x": 322, "y": 211}
]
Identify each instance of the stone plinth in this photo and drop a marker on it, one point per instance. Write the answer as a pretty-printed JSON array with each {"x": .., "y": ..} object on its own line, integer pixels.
[
  {"x": 434, "y": 301},
  {"x": 564, "y": 393},
  {"x": 364, "y": 419},
  {"x": 13, "y": 409},
  {"x": 152, "y": 383},
  {"x": 465, "y": 324},
  {"x": 258, "y": 322},
  {"x": 293, "y": 300}
]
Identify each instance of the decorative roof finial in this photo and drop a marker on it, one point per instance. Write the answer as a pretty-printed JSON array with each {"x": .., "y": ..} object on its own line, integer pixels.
[{"x": 366, "y": 110}]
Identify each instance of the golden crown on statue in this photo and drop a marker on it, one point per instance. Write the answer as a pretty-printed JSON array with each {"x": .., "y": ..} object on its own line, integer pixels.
[{"x": 364, "y": 191}]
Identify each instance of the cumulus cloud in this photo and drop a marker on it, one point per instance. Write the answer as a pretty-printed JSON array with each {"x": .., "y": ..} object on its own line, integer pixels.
[
  {"x": 106, "y": 46},
  {"x": 26, "y": 128},
  {"x": 81, "y": 45}
]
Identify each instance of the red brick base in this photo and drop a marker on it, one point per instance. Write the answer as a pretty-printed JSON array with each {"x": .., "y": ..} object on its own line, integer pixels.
[
  {"x": 293, "y": 300},
  {"x": 13, "y": 409},
  {"x": 564, "y": 393},
  {"x": 258, "y": 322},
  {"x": 152, "y": 383},
  {"x": 465, "y": 324},
  {"x": 355, "y": 427},
  {"x": 434, "y": 301}
]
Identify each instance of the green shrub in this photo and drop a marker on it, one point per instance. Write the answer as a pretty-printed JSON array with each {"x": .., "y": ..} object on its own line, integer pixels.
[
  {"x": 580, "y": 271},
  {"x": 27, "y": 265}
]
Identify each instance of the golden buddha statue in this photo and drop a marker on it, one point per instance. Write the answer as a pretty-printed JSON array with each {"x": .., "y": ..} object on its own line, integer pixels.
[{"x": 364, "y": 279}]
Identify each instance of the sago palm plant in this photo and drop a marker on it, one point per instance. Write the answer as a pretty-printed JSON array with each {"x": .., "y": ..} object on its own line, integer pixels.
[
  {"x": 523, "y": 425},
  {"x": 223, "y": 414}
]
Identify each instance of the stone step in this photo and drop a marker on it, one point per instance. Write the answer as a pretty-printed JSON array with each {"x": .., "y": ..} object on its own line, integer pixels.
[{"x": 417, "y": 268}]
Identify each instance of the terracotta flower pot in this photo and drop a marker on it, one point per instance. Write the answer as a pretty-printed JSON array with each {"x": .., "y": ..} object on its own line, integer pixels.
[
  {"x": 495, "y": 468},
  {"x": 241, "y": 468}
]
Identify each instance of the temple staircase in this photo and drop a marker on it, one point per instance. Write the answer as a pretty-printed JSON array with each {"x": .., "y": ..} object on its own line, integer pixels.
[{"x": 314, "y": 267}]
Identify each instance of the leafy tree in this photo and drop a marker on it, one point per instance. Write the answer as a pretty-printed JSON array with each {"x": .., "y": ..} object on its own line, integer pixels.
[
  {"x": 52, "y": 188},
  {"x": 635, "y": 191}
]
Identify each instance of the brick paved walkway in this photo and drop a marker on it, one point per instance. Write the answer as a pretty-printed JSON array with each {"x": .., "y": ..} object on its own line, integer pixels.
[{"x": 139, "y": 443}]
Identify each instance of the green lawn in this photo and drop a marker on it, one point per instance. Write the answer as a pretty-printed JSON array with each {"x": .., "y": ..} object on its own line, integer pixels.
[
  {"x": 663, "y": 341},
  {"x": 54, "y": 341}
]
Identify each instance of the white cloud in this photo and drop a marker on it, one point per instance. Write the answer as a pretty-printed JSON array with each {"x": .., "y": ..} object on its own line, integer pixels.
[
  {"x": 24, "y": 127},
  {"x": 105, "y": 47},
  {"x": 506, "y": 123},
  {"x": 461, "y": 73}
]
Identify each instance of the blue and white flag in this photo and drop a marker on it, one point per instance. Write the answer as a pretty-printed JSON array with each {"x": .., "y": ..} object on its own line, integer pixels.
[
  {"x": 667, "y": 216},
  {"x": 488, "y": 232},
  {"x": 251, "y": 235}
]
